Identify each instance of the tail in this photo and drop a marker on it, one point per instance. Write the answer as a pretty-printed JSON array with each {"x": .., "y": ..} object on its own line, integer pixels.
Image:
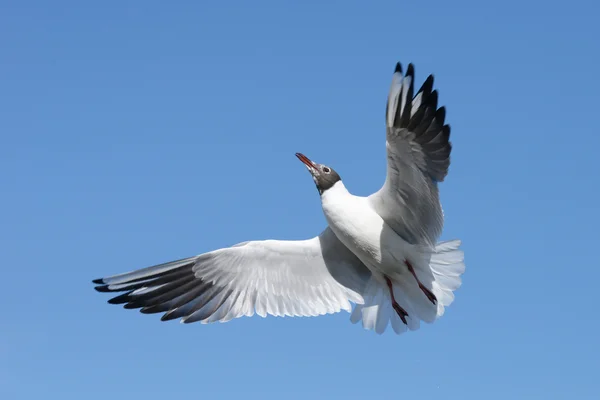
[{"x": 441, "y": 275}]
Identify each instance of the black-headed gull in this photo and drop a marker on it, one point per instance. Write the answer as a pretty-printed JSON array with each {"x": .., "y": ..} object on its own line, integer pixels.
[{"x": 379, "y": 252}]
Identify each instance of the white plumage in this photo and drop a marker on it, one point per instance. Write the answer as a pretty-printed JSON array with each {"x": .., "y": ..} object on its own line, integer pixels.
[{"x": 378, "y": 252}]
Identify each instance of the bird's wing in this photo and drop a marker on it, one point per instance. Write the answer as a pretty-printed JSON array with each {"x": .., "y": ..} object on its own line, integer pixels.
[
  {"x": 418, "y": 157},
  {"x": 294, "y": 278}
]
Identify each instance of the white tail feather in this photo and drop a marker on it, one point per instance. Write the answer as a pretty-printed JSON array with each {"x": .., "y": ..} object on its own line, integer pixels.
[{"x": 442, "y": 276}]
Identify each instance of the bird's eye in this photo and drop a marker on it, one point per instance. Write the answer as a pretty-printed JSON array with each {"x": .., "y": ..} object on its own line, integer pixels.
[{"x": 326, "y": 170}]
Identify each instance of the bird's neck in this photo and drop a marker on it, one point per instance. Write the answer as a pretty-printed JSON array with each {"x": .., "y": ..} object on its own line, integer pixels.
[
  {"x": 336, "y": 192},
  {"x": 340, "y": 209}
]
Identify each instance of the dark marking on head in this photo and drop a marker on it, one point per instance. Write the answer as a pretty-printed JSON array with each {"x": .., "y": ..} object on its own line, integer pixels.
[{"x": 325, "y": 177}]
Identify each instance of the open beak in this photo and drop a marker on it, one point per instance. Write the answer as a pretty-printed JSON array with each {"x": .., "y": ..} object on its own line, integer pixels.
[{"x": 312, "y": 167}]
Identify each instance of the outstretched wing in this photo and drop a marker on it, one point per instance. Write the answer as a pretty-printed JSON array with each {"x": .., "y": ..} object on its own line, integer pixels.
[
  {"x": 418, "y": 157},
  {"x": 294, "y": 278}
]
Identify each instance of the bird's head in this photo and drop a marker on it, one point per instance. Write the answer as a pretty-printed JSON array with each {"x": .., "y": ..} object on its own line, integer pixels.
[{"x": 325, "y": 177}]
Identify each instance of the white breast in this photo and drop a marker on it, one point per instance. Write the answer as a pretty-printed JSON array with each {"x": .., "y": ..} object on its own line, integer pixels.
[{"x": 363, "y": 231}]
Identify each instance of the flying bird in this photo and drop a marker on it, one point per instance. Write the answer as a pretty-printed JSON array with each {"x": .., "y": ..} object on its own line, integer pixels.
[{"x": 380, "y": 252}]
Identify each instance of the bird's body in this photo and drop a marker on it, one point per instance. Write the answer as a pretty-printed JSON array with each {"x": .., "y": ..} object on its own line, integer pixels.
[
  {"x": 361, "y": 229},
  {"x": 364, "y": 232},
  {"x": 379, "y": 252}
]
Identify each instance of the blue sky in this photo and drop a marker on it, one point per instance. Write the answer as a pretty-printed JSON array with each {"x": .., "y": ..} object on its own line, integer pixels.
[{"x": 134, "y": 133}]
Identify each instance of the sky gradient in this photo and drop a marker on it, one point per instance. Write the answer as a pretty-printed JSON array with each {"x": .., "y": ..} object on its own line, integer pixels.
[{"x": 135, "y": 133}]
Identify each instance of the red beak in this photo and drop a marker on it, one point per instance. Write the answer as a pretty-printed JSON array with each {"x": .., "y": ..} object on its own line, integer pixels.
[{"x": 305, "y": 160}]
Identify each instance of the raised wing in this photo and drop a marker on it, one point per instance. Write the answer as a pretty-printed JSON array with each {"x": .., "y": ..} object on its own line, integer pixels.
[
  {"x": 294, "y": 278},
  {"x": 418, "y": 157}
]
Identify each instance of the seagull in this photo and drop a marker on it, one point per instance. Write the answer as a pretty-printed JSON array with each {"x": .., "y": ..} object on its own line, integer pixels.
[{"x": 380, "y": 252}]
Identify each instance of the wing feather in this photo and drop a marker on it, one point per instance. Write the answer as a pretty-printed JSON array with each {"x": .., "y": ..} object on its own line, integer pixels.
[
  {"x": 283, "y": 278},
  {"x": 418, "y": 157}
]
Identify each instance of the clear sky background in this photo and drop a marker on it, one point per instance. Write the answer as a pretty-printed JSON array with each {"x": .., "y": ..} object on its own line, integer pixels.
[{"x": 138, "y": 132}]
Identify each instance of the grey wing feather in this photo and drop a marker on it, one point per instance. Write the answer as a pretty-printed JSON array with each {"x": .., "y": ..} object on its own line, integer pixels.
[
  {"x": 418, "y": 158},
  {"x": 295, "y": 278}
]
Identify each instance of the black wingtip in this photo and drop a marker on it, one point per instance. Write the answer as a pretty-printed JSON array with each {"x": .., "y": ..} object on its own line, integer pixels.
[
  {"x": 153, "y": 309},
  {"x": 121, "y": 299},
  {"x": 427, "y": 86},
  {"x": 398, "y": 68},
  {"x": 446, "y": 132},
  {"x": 433, "y": 99},
  {"x": 410, "y": 71},
  {"x": 169, "y": 316},
  {"x": 102, "y": 289},
  {"x": 98, "y": 281},
  {"x": 440, "y": 115}
]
